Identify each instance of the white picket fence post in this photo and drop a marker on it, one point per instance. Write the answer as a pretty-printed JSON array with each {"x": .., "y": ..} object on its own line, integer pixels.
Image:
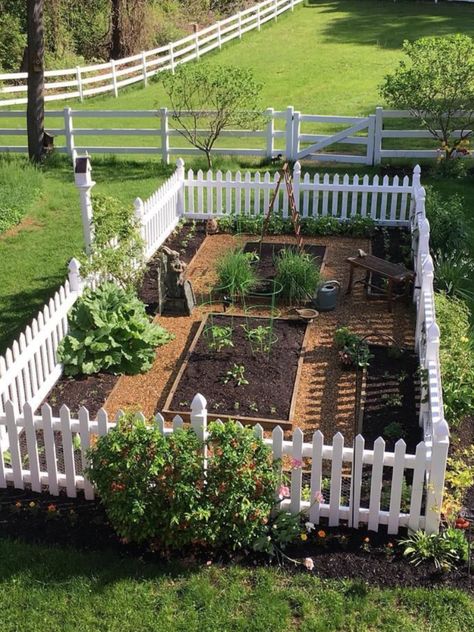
[
  {"x": 437, "y": 472},
  {"x": 199, "y": 422},
  {"x": 76, "y": 282},
  {"x": 180, "y": 175},
  {"x": 69, "y": 131},
  {"x": 289, "y": 132},
  {"x": 378, "y": 127},
  {"x": 84, "y": 183},
  {"x": 296, "y": 183}
]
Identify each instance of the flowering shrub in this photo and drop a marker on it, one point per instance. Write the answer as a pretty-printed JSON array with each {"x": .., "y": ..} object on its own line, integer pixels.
[
  {"x": 240, "y": 486},
  {"x": 151, "y": 485}
]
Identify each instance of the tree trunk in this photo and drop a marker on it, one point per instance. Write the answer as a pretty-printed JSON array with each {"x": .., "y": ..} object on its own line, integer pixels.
[
  {"x": 116, "y": 49},
  {"x": 35, "y": 109}
]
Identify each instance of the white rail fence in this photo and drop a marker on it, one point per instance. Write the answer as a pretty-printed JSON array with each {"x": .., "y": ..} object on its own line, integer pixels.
[
  {"x": 51, "y": 453},
  {"x": 362, "y": 140},
  {"x": 85, "y": 81}
]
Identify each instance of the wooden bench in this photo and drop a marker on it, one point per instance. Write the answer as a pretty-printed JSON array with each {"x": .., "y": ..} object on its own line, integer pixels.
[{"x": 395, "y": 273}]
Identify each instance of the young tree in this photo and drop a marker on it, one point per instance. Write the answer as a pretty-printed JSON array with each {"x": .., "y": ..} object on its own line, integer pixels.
[
  {"x": 437, "y": 86},
  {"x": 207, "y": 99},
  {"x": 35, "y": 107}
]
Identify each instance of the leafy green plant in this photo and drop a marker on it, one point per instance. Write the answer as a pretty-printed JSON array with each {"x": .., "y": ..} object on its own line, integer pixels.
[
  {"x": 237, "y": 374},
  {"x": 394, "y": 400},
  {"x": 236, "y": 275},
  {"x": 353, "y": 350},
  {"x": 452, "y": 273},
  {"x": 220, "y": 337},
  {"x": 445, "y": 549},
  {"x": 359, "y": 226},
  {"x": 313, "y": 226},
  {"x": 260, "y": 338},
  {"x": 448, "y": 231},
  {"x": 298, "y": 275},
  {"x": 456, "y": 357},
  {"x": 110, "y": 331},
  {"x": 394, "y": 431},
  {"x": 117, "y": 248},
  {"x": 459, "y": 479},
  {"x": 151, "y": 485}
]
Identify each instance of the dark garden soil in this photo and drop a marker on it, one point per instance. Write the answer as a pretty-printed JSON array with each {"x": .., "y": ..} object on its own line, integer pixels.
[
  {"x": 341, "y": 553},
  {"x": 391, "y": 244},
  {"x": 267, "y": 251},
  {"x": 89, "y": 391},
  {"x": 392, "y": 393},
  {"x": 271, "y": 376},
  {"x": 186, "y": 240}
]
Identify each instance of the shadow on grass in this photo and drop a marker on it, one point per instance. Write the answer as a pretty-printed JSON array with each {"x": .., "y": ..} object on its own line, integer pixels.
[{"x": 388, "y": 24}]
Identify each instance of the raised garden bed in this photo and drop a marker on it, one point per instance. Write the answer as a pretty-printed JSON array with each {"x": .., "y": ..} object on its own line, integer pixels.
[
  {"x": 391, "y": 399},
  {"x": 89, "y": 391},
  {"x": 269, "y": 398},
  {"x": 186, "y": 240},
  {"x": 267, "y": 251}
]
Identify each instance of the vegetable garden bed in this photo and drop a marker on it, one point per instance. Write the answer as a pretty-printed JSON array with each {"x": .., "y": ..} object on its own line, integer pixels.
[
  {"x": 267, "y": 251},
  {"x": 269, "y": 397}
]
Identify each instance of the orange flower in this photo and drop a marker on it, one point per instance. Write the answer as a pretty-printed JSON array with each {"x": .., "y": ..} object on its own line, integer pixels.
[
  {"x": 51, "y": 508},
  {"x": 390, "y": 545},
  {"x": 366, "y": 540},
  {"x": 321, "y": 534},
  {"x": 18, "y": 504}
]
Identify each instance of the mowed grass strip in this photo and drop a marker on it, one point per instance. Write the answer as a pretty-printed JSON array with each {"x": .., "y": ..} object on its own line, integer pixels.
[{"x": 45, "y": 589}]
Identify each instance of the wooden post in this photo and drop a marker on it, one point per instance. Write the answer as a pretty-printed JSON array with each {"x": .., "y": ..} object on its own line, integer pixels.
[
  {"x": 165, "y": 144},
  {"x": 75, "y": 281},
  {"x": 114, "y": 77},
  {"x": 269, "y": 132},
  {"x": 180, "y": 175},
  {"x": 79, "y": 83},
  {"x": 437, "y": 471},
  {"x": 289, "y": 132},
  {"x": 84, "y": 182},
  {"x": 378, "y": 135},
  {"x": 199, "y": 422}
]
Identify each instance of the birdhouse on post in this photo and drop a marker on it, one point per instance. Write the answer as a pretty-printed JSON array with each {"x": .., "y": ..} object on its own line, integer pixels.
[{"x": 84, "y": 182}]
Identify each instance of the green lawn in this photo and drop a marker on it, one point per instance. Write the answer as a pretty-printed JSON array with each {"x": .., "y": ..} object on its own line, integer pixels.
[
  {"x": 326, "y": 57},
  {"x": 34, "y": 256},
  {"x": 52, "y": 590}
]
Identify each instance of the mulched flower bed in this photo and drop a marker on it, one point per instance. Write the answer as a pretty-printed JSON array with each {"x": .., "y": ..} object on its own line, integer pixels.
[
  {"x": 372, "y": 558},
  {"x": 391, "y": 244},
  {"x": 186, "y": 240},
  {"x": 392, "y": 394},
  {"x": 90, "y": 391},
  {"x": 267, "y": 251},
  {"x": 271, "y": 376}
]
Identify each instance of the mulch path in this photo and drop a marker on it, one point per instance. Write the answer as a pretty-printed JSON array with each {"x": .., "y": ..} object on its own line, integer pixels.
[{"x": 326, "y": 393}]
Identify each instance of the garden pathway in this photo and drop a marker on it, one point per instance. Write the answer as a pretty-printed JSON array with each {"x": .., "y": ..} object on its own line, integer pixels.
[{"x": 326, "y": 393}]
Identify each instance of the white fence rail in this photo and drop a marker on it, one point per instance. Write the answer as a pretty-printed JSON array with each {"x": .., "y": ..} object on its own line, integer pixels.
[
  {"x": 296, "y": 136},
  {"x": 85, "y": 81},
  {"x": 351, "y": 478}
]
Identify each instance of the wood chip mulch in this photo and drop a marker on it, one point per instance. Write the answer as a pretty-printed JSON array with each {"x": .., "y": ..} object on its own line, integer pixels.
[{"x": 326, "y": 394}]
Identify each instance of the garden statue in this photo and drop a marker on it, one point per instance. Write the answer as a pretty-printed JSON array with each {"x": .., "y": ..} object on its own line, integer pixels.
[{"x": 179, "y": 295}]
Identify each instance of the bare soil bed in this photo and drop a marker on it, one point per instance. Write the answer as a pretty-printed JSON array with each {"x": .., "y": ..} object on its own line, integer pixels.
[
  {"x": 89, "y": 391},
  {"x": 271, "y": 376},
  {"x": 392, "y": 396},
  {"x": 268, "y": 251}
]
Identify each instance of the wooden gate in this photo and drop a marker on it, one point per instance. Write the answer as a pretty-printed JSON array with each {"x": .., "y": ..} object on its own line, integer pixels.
[{"x": 320, "y": 145}]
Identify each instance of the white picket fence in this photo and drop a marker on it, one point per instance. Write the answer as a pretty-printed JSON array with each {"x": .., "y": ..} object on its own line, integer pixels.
[
  {"x": 94, "y": 79},
  {"x": 386, "y": 200},
  {"x": 362, "y": 140},
  {"x": 55, "y": 452},
  {"x": 29, "y": 369}
]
